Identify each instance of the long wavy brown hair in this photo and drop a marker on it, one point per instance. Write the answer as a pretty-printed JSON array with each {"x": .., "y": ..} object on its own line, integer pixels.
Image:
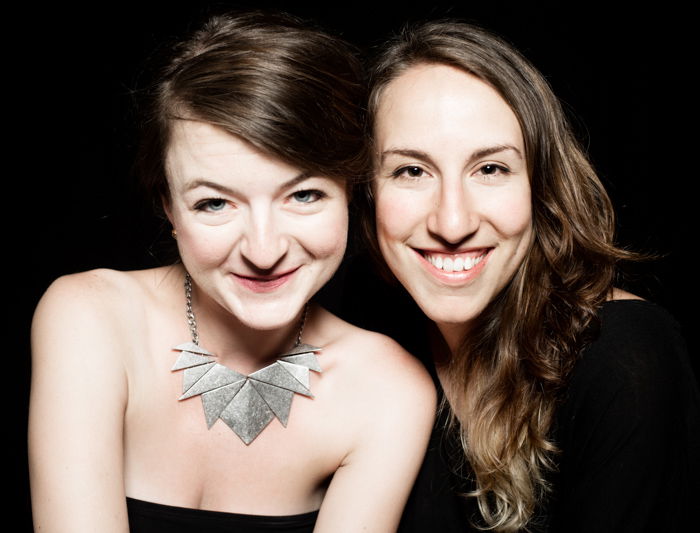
[{"x": 505, "y": 380}]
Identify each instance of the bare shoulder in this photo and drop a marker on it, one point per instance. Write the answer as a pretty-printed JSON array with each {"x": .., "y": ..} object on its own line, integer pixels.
[
  {"x": 100, "y": 290},
  {"x": 382, "y": 415},
  {"x": 97, "y": 287},
  {"x": 619, "y": 294},
  {"x": 79, "y": 297},
  {"x": 100, "y": 306},
  {"x": 375, "y": 360},
  {"x": 84, "y": 334}
]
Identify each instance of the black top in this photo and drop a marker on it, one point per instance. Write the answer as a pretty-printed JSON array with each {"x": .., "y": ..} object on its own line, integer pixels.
[
  {"x": 147, "y": 517},
  {"x": 628, "y": 428}
]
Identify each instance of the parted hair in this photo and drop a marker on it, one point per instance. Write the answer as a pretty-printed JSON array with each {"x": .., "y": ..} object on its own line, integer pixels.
[
  {"x": 293, "y": 91},
  {"x": 504, "y": 381}
]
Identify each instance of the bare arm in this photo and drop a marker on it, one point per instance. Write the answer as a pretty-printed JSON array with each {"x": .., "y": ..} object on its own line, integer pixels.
[
  {"x": 369, "y": 490},
  {"x": 77, "y": 407}
]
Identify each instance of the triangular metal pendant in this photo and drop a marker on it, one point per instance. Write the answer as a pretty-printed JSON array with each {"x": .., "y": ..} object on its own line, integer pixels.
[
  {"x": 276, "y": 375},
  {"x": 246, "y": 404},
  {"x": 301, "y": 373},
  {"x": 247, "y": 414},
  {"x": 193, "y": 348},
  {"x": 215, "y": 401},
  {"x": 190, "y": 359},
  {"x": 218, "y": 376},
  {"x": 277, "y": 399},
  {"x": 302, "y": 348},
  {"x": 193, "y": 374},
  {"x": 308, "y": 360}
]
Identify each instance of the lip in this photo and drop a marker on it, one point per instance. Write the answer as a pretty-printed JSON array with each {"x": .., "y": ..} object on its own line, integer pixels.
[
  {"x": 263, "y": 284},
  {"x": 455, "y": 278}
]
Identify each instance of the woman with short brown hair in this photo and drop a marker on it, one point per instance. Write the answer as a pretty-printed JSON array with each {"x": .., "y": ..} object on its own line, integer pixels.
[{"x": 212, "y": 395}]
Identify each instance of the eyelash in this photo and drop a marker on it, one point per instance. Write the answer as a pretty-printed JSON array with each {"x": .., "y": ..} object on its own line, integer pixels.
[
  {"x": 319, "y": 195},
  {"x": 205, "y": 205},
  {"x": 402, "y": 172},
  {"x": 498, "y": 169},
  {"x": 399, "y": 171}
]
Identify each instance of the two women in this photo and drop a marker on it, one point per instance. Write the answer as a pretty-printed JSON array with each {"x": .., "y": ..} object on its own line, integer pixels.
[
  {"x": 570, "y": 397},
  {"x": 211, "y": 394},
  {"x": 573, "y": 400}
]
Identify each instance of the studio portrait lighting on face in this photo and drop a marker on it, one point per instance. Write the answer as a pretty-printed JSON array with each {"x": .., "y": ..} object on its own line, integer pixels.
[{"x": 354, "y": 268}]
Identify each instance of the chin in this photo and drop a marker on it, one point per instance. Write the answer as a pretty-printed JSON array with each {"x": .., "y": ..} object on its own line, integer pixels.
[
  {"x": 454, "y": 311},
  {"x": 267, "y": 315},
  {"x": 267, "y": 321}
]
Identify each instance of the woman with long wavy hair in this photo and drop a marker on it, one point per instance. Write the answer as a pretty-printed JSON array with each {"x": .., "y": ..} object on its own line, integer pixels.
[{"x": 573, "y": 401}]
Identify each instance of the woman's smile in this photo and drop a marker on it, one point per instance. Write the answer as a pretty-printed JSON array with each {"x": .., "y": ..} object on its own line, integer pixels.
[
  {"x": 452, "y": 190},
  {"x": 267, "y": 283},
  {"x": 454, "y": 267}
]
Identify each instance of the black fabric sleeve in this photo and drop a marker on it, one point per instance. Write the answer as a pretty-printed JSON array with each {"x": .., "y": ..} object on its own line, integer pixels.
[
  {"x": 628, "y": 428},
  {"x": 438, "y": 501}
]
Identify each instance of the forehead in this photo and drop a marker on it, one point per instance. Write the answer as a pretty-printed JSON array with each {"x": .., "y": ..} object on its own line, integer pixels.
[
  {"x": 199, "y": 152},
  {"x": 198, "y": 149},
  {"x": 430, "y": 100},
  {"x": 201, "y": 142}
]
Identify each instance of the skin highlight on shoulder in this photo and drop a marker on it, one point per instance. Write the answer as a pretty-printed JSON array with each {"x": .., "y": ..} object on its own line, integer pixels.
[{"x": 619, "y": 294}]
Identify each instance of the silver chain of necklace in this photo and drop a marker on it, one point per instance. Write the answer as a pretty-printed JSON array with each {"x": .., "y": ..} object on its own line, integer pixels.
[{"x": 192, "y": 321}]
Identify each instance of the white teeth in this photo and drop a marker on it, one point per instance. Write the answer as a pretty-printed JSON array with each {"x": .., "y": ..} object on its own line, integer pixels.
[{"x": 457, "y": 264}]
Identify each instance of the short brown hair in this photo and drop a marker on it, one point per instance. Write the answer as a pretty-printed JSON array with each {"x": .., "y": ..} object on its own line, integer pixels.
[{"x": 292, "y": 91}]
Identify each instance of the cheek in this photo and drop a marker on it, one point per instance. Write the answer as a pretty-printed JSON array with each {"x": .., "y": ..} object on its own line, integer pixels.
[
  {"x": 325, "y": 235},
  {"x": 397, "y": 213},
  {"x": 512, "y": 212},
  {"x": 205, "y": 247},
  {"x": 198, "y": 242}
]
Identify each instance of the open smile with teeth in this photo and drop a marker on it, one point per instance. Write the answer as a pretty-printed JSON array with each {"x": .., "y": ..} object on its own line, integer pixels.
[{"x": 453, "y": 262}]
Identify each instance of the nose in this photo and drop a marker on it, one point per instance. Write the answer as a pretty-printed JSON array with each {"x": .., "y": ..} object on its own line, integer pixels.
[
  {"x": 454, "y": 217},
  {"x": 264, "y": 243}
]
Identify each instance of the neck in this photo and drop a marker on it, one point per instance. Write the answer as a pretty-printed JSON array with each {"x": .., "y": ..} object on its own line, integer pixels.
[
  {"x": 237, "y": 345},
  {"x": 453, "y": 335},
  {"x": 230, "y": 339}
]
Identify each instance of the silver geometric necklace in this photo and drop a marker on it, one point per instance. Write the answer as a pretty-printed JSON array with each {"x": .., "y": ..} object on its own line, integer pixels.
[{"x": 247, "y": 404}]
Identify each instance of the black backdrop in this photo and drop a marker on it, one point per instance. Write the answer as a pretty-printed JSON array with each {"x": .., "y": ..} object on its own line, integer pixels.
[{"x": 71, "y": 73}]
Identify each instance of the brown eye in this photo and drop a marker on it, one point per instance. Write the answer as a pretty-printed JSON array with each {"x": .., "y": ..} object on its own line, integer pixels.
[
  {"x": 411, "y": 171},
  {"x": 414, "y": 172},
  {"x": 493, "y": 170}
]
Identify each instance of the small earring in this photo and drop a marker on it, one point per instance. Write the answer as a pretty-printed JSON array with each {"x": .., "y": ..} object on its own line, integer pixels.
[{"x": 173, "y": 232}]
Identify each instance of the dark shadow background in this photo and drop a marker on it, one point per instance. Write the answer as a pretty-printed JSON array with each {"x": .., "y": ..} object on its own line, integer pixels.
[{"x": 623, "y": 76}]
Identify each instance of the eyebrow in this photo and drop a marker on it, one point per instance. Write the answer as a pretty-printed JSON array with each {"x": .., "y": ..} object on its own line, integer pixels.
[
  {"x": 416, "y": 154},
  {"x": 478, "y": 154},
  {"x": 490, "y": 150},
  {"x": 202, "y": 182}
]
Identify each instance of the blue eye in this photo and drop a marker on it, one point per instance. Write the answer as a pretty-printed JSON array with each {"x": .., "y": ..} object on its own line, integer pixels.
[
  {"x": 307, "y": 196},
  {"x": 211, "y": 204}
]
